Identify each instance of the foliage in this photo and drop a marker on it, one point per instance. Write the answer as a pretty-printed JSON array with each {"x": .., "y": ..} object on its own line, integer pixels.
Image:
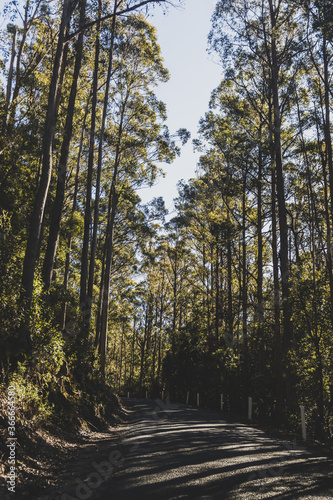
[{"x": 234, "y": 294}]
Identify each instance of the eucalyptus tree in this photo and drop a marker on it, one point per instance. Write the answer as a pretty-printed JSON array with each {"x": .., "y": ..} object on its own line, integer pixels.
[
  {"x": 34, "y": 237},
  {"x": 36, "y": 13},
  {"x": 269, "y": 33},
  {"x": 85, "y": 284},
  {"x": 20, "y": 127},
  {"x": 318, "y": 67},
  {"x": 137, "y": 137},
  {"x": 38, "y": 212},
  {"x": 139, "y": 257},
  {"x": 57, "y": 209}
]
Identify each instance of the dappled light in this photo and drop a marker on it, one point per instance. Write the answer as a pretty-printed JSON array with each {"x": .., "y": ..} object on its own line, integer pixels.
[
  {"x": 161, "y": 341},
  {"x": 198, "y": 453}
]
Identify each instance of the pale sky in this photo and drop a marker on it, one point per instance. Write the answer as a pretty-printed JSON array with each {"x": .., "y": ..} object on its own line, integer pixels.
[{"x": 182, "y": 34}]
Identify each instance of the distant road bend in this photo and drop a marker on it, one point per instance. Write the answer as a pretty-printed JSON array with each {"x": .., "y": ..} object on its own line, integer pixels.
[{"x": 171, "y": 451}]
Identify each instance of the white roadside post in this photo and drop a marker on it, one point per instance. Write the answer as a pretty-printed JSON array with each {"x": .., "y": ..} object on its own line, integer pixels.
[
  {"x": 221, "y": 402},
  {"x": 303, "y": 422},
  {"x": 249, "y": 412},
  {"x": 198, "y": 400},
  {"x": 187, "y": 397}
]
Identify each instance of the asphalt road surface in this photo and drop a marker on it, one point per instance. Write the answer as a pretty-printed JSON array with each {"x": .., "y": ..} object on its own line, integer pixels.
[{"x": 174, "y": 452}]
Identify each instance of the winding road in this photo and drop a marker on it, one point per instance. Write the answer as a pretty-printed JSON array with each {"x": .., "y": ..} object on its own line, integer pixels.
[{"x": 171, "y": 451}]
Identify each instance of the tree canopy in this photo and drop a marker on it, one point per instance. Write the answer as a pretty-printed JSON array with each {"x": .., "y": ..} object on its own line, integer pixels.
[{"x": 232, "y": 295}]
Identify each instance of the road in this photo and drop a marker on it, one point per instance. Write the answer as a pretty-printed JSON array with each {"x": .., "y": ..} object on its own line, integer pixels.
[{"x": 174, "y": 452}]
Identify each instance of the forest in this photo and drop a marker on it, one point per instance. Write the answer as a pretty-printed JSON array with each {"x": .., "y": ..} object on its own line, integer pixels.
[{"x": 103, "y": 295}]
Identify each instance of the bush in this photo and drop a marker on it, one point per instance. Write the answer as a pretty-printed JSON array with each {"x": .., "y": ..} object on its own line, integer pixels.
[{"x": 32, "y": 407}]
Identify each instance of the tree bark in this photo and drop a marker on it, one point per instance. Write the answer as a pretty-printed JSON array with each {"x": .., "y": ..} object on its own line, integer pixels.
[
  {"x": 217, "y": 292},
  {"x": 244, "y": 267},
  {"x": 61, "y": 184},
  {"x": 74, "y": 206},
  {"x": 278, "y": 367},
  {"x": 106, "y": 276},
  {"x": 10, "y": 73},
  {"x": 34, "y": 236},
  {"x": 327, "y": 123},
  {"x": 260, "y": 305},
  {"x": 230, "y": 332},
  {"x": 98, "y": 179},
  {"x": 284, "y": 261},
  {"x": 10, "y": 116},
  {"x": 87, "y": 214}
]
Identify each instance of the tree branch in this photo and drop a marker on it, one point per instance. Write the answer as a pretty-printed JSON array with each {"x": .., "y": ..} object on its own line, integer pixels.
[{"x": 109, "y": 16}]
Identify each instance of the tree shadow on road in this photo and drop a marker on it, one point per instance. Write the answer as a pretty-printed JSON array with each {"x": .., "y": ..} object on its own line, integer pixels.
[{"x": 188, "y": 453}]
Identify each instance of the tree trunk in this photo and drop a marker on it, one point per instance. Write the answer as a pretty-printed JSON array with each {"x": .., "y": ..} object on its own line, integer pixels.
[
  {"x": 153, "y": 364},
  {"x": 74, "y": 206},
  {"x": 61, "y": 184},
  {"x": 121, "y": 355},
  {"x": 87, "y": 214},
  {"x": 284, "y": 262},
  {"x": 10, "y": 73},
  {"x": 132, "y": 355},
  {"x": 328, "y": 161},
  {"x": 260, "y": 305},
  {"x": 327, "y": 124},
  {"x": 278, "y": 367},
  {"x": 217, "y": 293},
  {"x": 99, "y": 170},
  {"x": 12, "y": 103},
  {"x": 34, "y": 236},
  {"x": 230, "y": 322},
  {"x": 244, "y": 268},
  {"x": 107, "y": 277},
  {"x": 329, "y": 260}
]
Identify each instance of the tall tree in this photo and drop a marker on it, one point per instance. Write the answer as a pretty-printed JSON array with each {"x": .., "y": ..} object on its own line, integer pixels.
[
  {"x": 33, "y": 243},
  {"x": 62, "y": 168}
]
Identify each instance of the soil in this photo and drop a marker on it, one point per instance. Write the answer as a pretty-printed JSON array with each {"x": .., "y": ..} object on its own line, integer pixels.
[{"x": 48, "y": 460}]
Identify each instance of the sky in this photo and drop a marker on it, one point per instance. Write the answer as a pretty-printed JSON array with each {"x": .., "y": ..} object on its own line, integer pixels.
[{"x": 182, "y": 35}]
